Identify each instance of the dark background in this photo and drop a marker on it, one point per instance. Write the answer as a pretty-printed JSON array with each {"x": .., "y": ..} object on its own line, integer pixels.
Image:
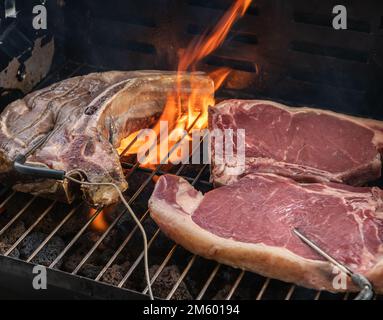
[{"x": 281, "y": 50}]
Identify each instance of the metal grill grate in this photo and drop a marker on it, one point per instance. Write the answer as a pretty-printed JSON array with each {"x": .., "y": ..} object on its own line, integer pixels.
[{"x": 210, "y": 279}]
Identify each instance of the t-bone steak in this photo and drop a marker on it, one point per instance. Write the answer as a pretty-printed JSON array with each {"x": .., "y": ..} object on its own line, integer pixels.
[
  {"x": 302, "y": 143},
  {"x": 86, "y": 117},
  {"x": 249, "y": 224}
]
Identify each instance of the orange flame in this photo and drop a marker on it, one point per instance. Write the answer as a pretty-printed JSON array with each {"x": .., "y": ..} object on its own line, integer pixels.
[
  {"x": 219, "y": 76},
  {"x": 99, "y": 223},
  {"x": 207, "y": 43},
  {"x": 197, "y": 104}
]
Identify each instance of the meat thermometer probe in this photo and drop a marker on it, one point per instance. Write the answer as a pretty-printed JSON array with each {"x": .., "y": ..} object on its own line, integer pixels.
[{"x": 361, "y": 281}]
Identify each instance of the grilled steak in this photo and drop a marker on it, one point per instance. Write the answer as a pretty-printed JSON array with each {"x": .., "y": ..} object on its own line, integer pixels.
[
  {"x": 86, "y": 117},
  {"x": 302, "y": 143},
  {"x": 249, "y": 224}
]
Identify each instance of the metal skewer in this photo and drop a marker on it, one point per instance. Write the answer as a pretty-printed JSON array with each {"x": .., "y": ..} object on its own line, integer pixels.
[{"x": 361, "y": 281}]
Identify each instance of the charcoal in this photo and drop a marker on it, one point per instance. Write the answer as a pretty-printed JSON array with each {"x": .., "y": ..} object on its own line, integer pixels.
[
  {"x": 4, "y": 248},
  {"x": 73, "y": 225},
  {"x": 91, "y": 237},
  {"x": 112, "y": 239},
  {"x": 125, "y": 223},
  {"x": 13, "y": 233},
  {"x": 89, "y": 270},
  {"x": 30, "y": 243},
  {"x": 165, "y": 282},
  {"x": 149, "y": 226},
  {"x": 114, "y": 274},
  {"x": 82, "y": 247},
  {"x": 71, "y": 262},
  {"x": 104, "y": 255},
  {"x": 47, "y": 254},
  {"x": 222, "y": 293},
  {"x": 45, "y": 226}
]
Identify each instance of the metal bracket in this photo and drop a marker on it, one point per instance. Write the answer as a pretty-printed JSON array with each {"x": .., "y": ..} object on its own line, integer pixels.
[
  {"x": 24, "y": 168},
  {"x": 366, "y": 292}
]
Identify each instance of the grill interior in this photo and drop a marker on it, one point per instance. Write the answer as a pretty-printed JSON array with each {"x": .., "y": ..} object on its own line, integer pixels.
[
  {"x": 286, "y": 52},
  {"x": 177, "y": 274}
]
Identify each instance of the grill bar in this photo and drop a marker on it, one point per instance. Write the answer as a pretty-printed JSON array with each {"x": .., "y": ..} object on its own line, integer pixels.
[
  {"x": 182, "y": 276},
  {"x": 137, "y": 193},
  {"x": 5, "y": 228},
  {"x": 138, "y": 260},
  {"x": 151, "y": 148},
  {"x": 75, "y": 238},
  {"x": 120, "y": 248},
  {"x": 131, "y": 200},
  {"x": 53, "y": 232},
  {"x": 235, "y": 285},
  {"x": 95, "y": 246},
  {"x": 98, "y": 242},
  {"x": 172, "y": 250},
  {"x": 208, "y": 282},
  {"x": 263, "y": 289},
  {"x": 7, "y": 199},
  {"x": 161, "y": 172},
  {"x": 160, "y": 268},
  {"x": 27, "y": 232},
  {"x": 290, "y": 292}
]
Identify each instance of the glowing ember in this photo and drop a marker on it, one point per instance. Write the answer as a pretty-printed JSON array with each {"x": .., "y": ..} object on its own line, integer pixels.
[
  {"x": 155, "y": 178},
  {"x": 197, "y": 104},
  {"x": 99, "y": 223}
]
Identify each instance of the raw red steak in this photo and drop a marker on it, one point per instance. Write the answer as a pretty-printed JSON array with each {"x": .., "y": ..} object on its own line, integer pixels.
[
  {"x": 301, "y": 143},
  {"x": 249, "y": 224}
]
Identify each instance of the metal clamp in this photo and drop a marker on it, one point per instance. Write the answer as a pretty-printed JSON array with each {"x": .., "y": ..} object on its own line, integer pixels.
[
  {"x": 22, "y": 167},
  {"x": 362, "y": 282}
]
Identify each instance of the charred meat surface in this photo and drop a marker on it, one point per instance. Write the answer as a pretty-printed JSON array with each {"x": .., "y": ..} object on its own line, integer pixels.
[
  {"x": 302, "y": 143},
  {"x": 85, "y": 117},
  {"x": 249, "y": 224}
]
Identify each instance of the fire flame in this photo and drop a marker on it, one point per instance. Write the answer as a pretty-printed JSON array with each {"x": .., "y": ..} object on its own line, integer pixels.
[
  {"x": 99, "y": 223},
  {"x": 188, "y": 60},
  {"x": 219, "y": 76},
  {"x": 197, "y": 105},
  {"x": 207, "y": 43}
]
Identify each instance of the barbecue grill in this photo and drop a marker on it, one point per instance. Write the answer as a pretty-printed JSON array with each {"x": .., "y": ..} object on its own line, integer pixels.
[{"x": 281, "y": 50}]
